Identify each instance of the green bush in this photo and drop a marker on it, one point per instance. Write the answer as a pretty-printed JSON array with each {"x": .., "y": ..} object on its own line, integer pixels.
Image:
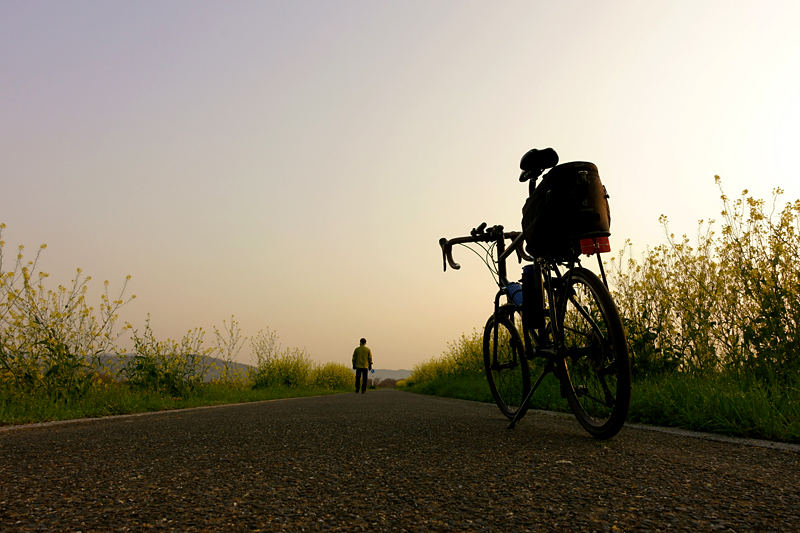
[
  {"x": 174, "y": 368},
  {"x": 332, "y": 376},
  {"x": 293, "y": 367},
  {"x": 463, "y": 357}
]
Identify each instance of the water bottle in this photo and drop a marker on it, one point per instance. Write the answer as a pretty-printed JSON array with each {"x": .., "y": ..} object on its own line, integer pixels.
[{"x": 515, "y": 293}]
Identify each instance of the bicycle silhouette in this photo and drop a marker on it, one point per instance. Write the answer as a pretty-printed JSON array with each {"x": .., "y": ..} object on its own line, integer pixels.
[{"x": 559, "y": 312}]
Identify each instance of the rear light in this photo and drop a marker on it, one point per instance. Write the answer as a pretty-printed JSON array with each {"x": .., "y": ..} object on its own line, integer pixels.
[{"x": 597, "y": 245}]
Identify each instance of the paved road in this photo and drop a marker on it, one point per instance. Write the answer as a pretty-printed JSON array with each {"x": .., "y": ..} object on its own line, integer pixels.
[{"x": 384, "y": 461}]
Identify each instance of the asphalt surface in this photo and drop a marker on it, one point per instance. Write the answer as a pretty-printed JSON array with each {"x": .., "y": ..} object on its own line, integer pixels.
[{"x": 383, "y": 461}]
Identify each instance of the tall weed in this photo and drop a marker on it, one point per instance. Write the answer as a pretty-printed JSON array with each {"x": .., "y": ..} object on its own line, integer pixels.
[
  {"x": 52, "y": 341},
  {"x": 730, "y": 302},
  {"x": 227, "y": 347}
]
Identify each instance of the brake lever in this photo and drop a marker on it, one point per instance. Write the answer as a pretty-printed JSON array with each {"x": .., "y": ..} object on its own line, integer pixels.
[
  {"x": 495, "y": 232},
  {"x": 447, "y": 255},
  {"x": 479, "y": 230}
]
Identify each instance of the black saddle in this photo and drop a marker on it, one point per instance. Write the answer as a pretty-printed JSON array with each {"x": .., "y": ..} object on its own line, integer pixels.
[{"x": 536, "y": 161}]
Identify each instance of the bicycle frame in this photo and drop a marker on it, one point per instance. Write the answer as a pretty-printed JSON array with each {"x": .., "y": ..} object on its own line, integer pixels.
[
  {"x": 540, "y": 287},
  {"x": 543, "y": 278}
]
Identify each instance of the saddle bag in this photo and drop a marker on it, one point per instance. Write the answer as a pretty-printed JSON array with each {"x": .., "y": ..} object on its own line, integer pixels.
[{"x": 569, "y": 204}]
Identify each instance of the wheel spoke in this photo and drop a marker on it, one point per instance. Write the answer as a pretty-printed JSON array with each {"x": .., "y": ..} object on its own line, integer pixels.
[
  {"x": 584, "y": 392},
  {"x": 580, "y": 308},
  {"x": 506, "y": 366},
  {"x": 596, "y": 373}
]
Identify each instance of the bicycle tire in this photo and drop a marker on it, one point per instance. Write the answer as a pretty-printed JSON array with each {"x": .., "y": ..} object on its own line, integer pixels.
[
  {"x": 509, "y": 377},
  {"x": 595, "y": 372}
]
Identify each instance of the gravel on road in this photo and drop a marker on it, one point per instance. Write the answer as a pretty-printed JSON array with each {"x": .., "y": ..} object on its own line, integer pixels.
[{"x": 383, "y": 461}]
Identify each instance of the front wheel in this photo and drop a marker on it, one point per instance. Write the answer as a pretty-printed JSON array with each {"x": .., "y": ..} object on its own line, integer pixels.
[
  {"x": 505, "y": 363},
  {"x": 596, "y": 371}
]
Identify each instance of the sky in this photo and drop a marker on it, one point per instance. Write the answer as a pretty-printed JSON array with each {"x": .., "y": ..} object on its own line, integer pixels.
[{"x": 294, "y": 163}]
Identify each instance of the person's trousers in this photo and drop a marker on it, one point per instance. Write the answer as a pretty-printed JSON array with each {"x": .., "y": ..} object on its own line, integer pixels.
[{"x": 361, "y": 378}]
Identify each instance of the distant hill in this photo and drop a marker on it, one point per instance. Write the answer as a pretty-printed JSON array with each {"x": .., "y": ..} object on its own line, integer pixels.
[
  {"x": 382, "y": 373},
  {"x": 114, "y": 364}
]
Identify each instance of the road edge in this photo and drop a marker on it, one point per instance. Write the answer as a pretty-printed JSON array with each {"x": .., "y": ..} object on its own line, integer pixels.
[{"x": 716, "y": 437}]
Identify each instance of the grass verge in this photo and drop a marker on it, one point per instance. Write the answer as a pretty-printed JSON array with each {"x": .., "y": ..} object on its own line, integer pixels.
[
  {"x": 734, "y": 406},
  {"x": 117, "y": 400}
]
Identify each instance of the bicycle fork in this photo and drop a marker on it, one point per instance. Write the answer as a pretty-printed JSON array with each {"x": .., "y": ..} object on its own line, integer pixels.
[{"x": 496, "y": 365}]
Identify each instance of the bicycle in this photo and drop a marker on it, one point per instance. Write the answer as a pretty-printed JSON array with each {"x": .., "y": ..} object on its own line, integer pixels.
[{"x": 567, "y": 318}]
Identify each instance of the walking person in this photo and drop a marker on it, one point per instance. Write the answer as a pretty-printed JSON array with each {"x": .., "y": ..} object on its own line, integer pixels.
[{"x": 362, "y": 362}]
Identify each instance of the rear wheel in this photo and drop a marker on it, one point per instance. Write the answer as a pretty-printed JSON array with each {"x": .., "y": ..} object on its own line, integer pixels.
[
  {"x": 506, "y": 367},
  {"x": 595, "y": 372}
]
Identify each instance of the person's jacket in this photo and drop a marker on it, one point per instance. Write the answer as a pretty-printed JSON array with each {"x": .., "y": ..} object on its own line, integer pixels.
[{"x": 362, "y": 357}]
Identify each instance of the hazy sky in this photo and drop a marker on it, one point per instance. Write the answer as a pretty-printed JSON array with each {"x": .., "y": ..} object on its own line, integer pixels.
[{"x": 294, "y": 163}]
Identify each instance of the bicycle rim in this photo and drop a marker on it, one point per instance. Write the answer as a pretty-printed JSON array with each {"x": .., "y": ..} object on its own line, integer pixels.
[
  {"x": 595, "y": 372},
  {"x": 507, "y": 372}
]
